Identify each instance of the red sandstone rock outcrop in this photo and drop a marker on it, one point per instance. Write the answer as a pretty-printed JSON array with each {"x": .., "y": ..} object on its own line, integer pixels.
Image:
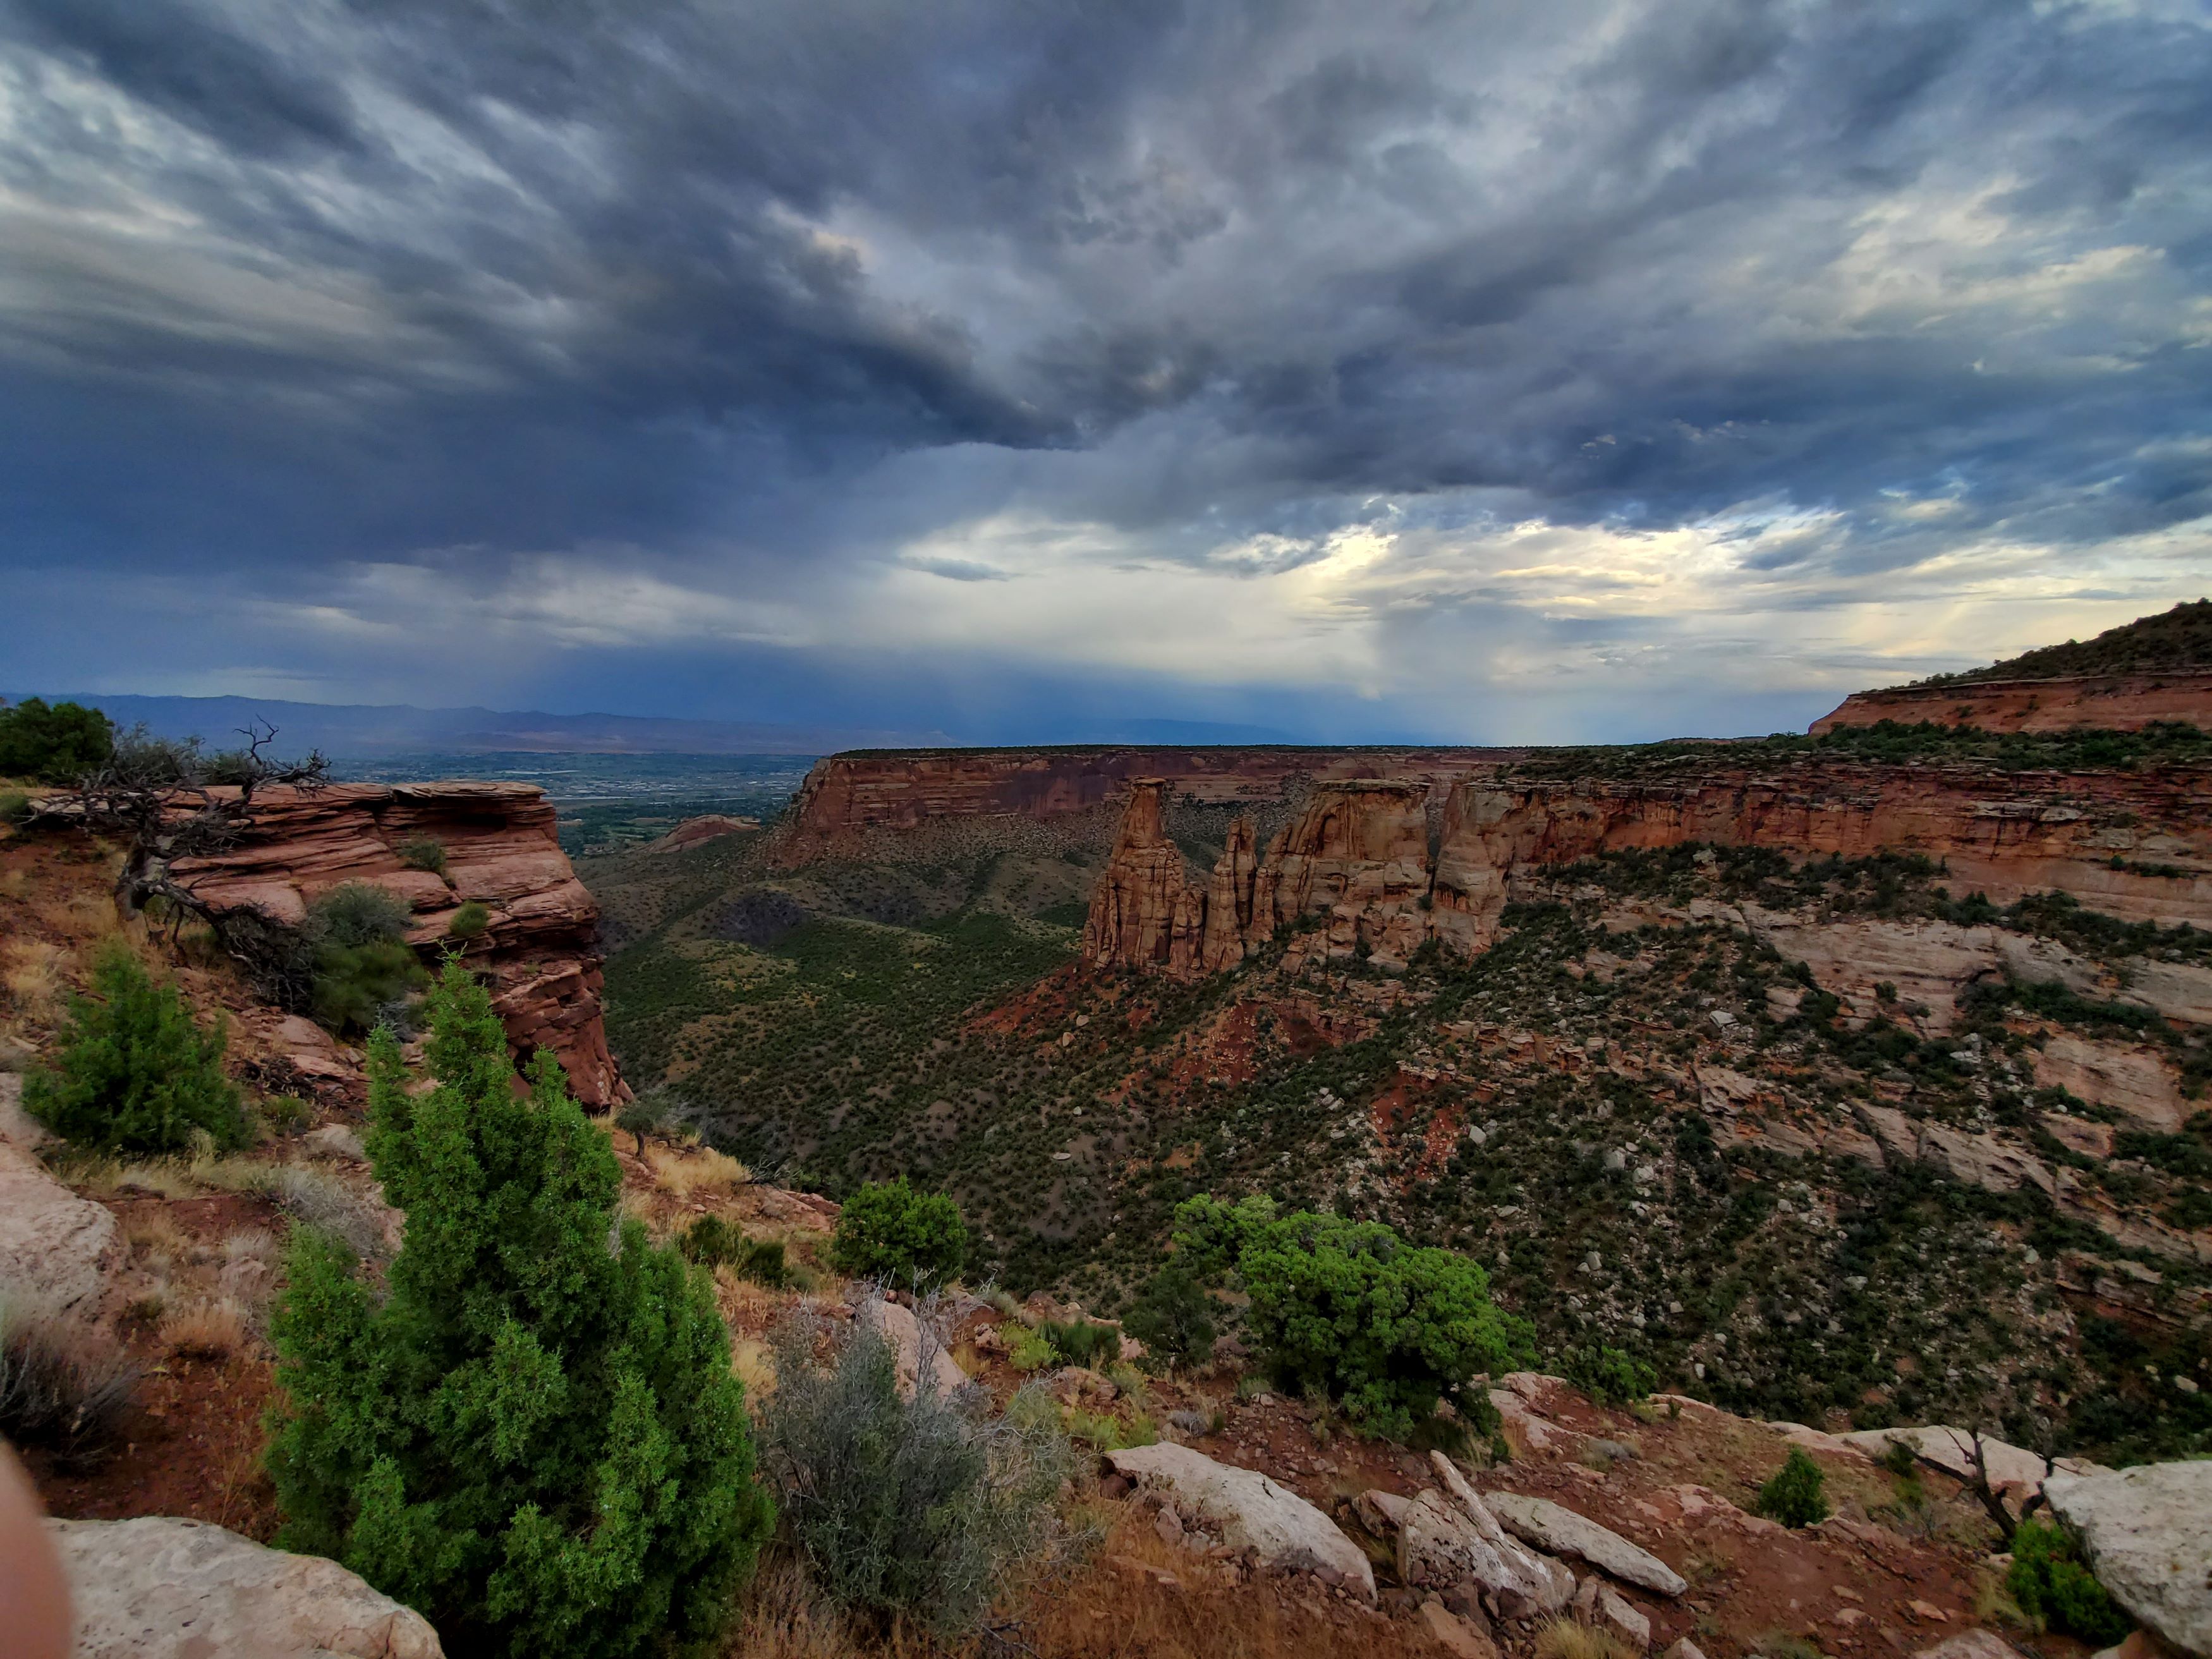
[
  {"x": 2132, "y": 844},
  {"x": 1143, "y": 912},
  {"x": 1356, "y": 856},
  {"x": 2006, "y": 834},
  {"x": 2113, "y": 702},
  {"x": 540, "y": 956},
  {"x": 846, "y": 798}
]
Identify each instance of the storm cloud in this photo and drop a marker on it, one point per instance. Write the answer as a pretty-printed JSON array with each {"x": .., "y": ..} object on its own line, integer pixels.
[{"x": 1427, "y": 369}]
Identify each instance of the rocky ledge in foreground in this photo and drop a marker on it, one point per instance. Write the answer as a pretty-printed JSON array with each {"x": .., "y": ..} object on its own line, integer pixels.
[{"x": 156, "y": 1587}]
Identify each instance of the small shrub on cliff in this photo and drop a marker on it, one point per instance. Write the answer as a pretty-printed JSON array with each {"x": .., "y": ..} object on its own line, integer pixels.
[
  {"x": 2052, "y": 1586},
  {"x": 134, "y": 1072},
  {"x": 1348, "y": 1307},
  {"x": 916, "y": 1506},
  {"x": 423, "y": 852},
  {"x": 1608, "y": 1376},
  {"x": 1080, "y": 1342},
  {"x": 532, "y": 1433},
  {"x": 713, "y": 1242},
  {"x": 471, "y": 920},
  {"x": 1797, "y": 1495},
  {"x": 364, "y": 970},
  {"x": 1172, "y": 1317},
  {"x": 888, "y": 1231}
]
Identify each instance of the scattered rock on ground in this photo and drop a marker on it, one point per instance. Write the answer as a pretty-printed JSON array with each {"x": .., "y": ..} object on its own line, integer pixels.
[
  {"x": 1603, "y": 1608},
  {"x": 2015, "y": 1475},
  {"x": 1454, "y": 1634},
  {"x": 335, "y": 1140},
  {"x": 156, "y": 1587},
  {"x": 1249, "y": 1512},
  {"x": 1551, "y": 1526},
  {"x": 1449, "y": 1536},
  {"x": 1971, "y": 1644},
  {"x": 2148, "y": 1533}
]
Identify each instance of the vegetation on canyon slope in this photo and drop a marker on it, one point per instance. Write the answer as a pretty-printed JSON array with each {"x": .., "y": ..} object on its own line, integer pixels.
[{"x": 1517, "y": 1108}]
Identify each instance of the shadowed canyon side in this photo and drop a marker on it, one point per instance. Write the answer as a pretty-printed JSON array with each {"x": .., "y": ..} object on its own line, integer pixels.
[
  {"x": 540, "y": 953},
  {"x": 2133, "y": 845}
]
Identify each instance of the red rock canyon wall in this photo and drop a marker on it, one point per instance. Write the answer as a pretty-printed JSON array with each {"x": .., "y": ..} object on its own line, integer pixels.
[{"x": 540, "y": 956}]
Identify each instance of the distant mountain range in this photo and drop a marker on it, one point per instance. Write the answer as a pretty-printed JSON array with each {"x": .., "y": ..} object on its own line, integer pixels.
[{"x": 367, "y": 730}]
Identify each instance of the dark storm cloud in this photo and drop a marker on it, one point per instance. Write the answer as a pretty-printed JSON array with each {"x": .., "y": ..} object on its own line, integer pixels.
[{"x": 767, "y": 297}]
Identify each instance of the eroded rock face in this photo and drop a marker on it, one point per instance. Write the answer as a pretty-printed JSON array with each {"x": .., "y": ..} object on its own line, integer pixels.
[
  {"x": 2111, "y": 702},
  {"x": 2147, "y": 1532},
  {"x": 1358, "y": 858},
  {"x": 1355, "y": 858},
  {"x": 873, "y": 800},
  {"x": 161, "y": 1588},
  {"x": 2131, "y": 1077},
  {"x": 2004, "y": 834},
  {"x": 1284, "y": 1533},
  {"x": 541, "y": 953}
]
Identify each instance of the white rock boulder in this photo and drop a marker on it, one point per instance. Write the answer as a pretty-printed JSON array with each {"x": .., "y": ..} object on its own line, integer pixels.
[
  {"x": 1449, "y": 1536},
  {"x": 1559, "y": 1530},
  {"x": 914, "y": 1346},
  {"x": 161, "y": 1588},
  {"x": 1248, "y": 1511},
  {"x": 57, "y": 1249},
  {"x": 2148, "y": 1533}
]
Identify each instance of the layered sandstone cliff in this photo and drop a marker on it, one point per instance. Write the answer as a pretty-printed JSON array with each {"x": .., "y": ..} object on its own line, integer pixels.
[
  {"x": 540, "y": 955},
  {"x": 2136, "y": 845},
  {"x": 2111, "y": 702},
  {"x": 870, "y": 801},
  {"x": 1354, "y": 862}
]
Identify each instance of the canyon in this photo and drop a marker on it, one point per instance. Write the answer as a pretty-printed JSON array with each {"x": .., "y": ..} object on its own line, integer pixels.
[{"x": 540, "y": 953}]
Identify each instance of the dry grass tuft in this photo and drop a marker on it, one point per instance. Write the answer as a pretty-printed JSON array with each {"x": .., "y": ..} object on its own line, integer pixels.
[
  {"x": 34, "y": 979},
  {"x": 155, "y": 1233},
  {"x": 688, "y": 1174},
  {"x": 62, "y": 1381},
  {"x": 783, "y": 1616},
  {"x": 206, "y": 1330},
  {"x": 1569, "y": 1638},
  {"x": 754, "y": 1362},
  {"x": 169, "y": 1178}
]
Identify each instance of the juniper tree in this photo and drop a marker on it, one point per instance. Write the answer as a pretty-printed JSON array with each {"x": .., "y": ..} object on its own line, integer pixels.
[
  {"x": 134, "y": 1072},
  {"x": 533, "y": 1435}
]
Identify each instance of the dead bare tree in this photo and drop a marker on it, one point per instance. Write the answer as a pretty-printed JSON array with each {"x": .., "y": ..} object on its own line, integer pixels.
[
  {"x": 166, "y": 802},
  {"x": 1973, "y": 1448}
]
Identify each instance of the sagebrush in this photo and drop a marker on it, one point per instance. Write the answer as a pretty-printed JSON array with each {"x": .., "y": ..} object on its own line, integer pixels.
[{"x": 905, "y": 1507}]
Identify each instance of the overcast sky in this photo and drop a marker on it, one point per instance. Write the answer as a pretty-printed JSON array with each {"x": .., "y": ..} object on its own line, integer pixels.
[{"x": 1011, "y": 368}]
